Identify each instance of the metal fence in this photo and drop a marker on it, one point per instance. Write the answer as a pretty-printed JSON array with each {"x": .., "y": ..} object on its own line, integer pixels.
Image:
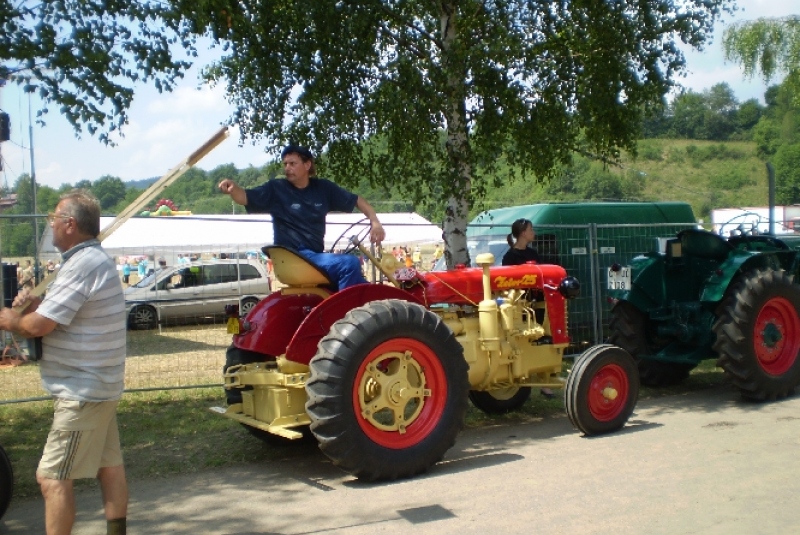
[
  {"x": 589, "y": 252},
  {"x": 193, "y": 354}
]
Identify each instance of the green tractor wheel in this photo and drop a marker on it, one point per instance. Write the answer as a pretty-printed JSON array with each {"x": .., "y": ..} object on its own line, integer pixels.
[
  {"x": 758, "y": 337},
  {"x": 631, "y": 330}
]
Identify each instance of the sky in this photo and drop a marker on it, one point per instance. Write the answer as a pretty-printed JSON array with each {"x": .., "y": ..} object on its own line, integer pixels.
[{"x": 165, "y": 128}]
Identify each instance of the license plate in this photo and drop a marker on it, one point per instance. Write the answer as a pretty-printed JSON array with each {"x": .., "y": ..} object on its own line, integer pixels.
[
  {"x": 619, "y": 280},
  {"x": 233, "y": 326}
]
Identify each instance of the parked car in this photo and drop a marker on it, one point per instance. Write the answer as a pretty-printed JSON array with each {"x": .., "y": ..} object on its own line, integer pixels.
[{"x": 194, "y": 291}]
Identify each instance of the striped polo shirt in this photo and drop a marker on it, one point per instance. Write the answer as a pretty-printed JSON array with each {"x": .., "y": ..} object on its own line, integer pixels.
[{"x": 83, "y": 358}]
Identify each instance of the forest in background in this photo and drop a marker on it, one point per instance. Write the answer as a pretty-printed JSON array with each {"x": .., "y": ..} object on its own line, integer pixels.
[{"x": 707, "y": 149}]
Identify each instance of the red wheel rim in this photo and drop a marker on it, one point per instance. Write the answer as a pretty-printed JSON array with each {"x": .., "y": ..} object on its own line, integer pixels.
[
  {"x": 427, "y": 416},
  {"x": 608, "y": 392},
  {"x": 776, "y": 336}
]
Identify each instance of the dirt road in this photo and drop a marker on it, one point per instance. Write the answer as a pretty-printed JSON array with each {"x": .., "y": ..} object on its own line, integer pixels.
[{"x": 704, "y": 462}]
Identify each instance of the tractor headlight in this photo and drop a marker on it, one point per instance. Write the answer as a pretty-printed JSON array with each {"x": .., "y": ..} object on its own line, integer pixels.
[{"x": 570, "y": 288}]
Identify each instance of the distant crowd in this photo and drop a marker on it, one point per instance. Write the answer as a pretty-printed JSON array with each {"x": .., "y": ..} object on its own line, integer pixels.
[{"x": 26, "y": 275}]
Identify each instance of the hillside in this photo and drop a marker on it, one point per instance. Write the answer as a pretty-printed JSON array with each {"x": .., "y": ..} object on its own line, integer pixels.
[{"x": 706, "y": 174}]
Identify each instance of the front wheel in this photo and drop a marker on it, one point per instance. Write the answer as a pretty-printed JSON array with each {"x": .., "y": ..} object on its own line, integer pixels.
[
  {"x": 248, "y": 303},
  {"x": 388, "y": 390},
  {"x": 143, "y": 317},
  {"x": 6, "y": 481},
  {"x": 601, "y": 389},
  {"x": 758, "y": 335},
  {"x": 500, "y": 401}
]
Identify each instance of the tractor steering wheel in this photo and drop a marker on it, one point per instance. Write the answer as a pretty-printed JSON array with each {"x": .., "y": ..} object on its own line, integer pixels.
[
  {"x": 353, "y": 239},
  {"x": 749, "y": 218}
]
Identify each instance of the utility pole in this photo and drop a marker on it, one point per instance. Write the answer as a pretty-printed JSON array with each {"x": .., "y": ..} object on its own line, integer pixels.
[
  {"x": 36, "y": 272},
  {"x": 5, "y": 134}
]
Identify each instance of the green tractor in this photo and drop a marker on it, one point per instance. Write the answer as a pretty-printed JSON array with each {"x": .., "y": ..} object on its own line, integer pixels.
[{"x": 702, "y": 296}]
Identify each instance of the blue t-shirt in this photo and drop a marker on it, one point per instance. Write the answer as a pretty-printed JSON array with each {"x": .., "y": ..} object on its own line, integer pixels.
[{"x": 298, "y": 215}]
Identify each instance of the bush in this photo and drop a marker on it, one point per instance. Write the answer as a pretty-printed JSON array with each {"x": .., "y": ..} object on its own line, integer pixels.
[
  {"x": 675, "y": 155},
  {"x": 699, "y": 155},
  {"x": 787, "y": 173},
  {"x": 731, "y": 179},
  {"x": 651, "y": 151}
]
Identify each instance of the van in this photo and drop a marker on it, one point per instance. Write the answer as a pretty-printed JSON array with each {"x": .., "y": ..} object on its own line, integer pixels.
[
  {"x": 195, "y": 290},
  {"x": 586, "y": 239}
]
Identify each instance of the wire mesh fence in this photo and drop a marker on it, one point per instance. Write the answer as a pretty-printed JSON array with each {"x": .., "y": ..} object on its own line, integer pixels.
[{"x": 185, "y": 347}]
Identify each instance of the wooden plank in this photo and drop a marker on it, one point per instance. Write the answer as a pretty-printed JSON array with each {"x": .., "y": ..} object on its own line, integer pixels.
[{"x": 146, "y": 196}]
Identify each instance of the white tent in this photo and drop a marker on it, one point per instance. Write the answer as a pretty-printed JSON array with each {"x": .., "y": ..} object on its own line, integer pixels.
[{"x": 169, "y": 236}]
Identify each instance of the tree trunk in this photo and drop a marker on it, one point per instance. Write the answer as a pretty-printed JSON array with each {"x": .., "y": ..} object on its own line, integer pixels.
[{"x": 458, "y": 149}]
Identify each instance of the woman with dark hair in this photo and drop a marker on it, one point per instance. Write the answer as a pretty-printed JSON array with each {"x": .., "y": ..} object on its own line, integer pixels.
[
  {"x": 519, "y": 241},
  {"x": 520, "y": 252}
]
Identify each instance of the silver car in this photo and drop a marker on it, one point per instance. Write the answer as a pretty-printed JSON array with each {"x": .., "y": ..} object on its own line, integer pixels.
[{"x": 195, "y": 290}]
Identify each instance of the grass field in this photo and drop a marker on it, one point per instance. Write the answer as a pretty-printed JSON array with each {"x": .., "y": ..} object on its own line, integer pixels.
[
  {"x": 175, "y": 356},
  {"x": 172, "y": 432}
]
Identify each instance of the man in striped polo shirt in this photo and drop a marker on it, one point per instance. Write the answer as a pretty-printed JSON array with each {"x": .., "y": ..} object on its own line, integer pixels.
[{"x": 82, "y": 324}]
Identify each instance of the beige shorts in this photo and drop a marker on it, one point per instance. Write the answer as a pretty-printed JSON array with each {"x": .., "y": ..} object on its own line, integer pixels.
[{"x": 84, "y": 438}]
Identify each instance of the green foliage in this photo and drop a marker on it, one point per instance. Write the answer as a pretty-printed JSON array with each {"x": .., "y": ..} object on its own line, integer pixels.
[
  {"x": 217, "y": 205},
  {"x": 768, "y": 46},
  {"x": 448, "y": 90},
  {"x": 712, "y": 114},
  {"x": 23, "y": 187},
  {"x": 749, "y": 114},
  {"x": 719, "y": 151},
  {"x": 17, "y": 237},
  {"x": 787, "y": 173},
  {"x": 730, "y": 179},
  {"x": 688, "y": 112},
  {"x": 675, "y": 156},
  {"x": 79, "y": 55},
  {"x": 599, "y": 184},
  {"x": 766, "y": 135},
  {"x": 650, "y": 150},
  {"x": 131, "y": 194},
  {"x": 109, "y": 190}
]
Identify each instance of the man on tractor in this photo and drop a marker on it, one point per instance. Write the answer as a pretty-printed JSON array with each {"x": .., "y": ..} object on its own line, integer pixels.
[{"x": 298, "y": 205}]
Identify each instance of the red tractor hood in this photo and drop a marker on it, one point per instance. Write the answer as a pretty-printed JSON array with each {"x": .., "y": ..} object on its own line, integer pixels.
[{"x": 464, "y": 286}]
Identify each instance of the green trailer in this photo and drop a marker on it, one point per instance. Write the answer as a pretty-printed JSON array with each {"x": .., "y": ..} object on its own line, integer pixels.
[{"x": 584, "y": 238}]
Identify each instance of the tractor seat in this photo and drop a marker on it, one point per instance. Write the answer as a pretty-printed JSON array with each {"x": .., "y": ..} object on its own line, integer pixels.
[
  {"x": 293, "y": 269},
  {"x": 704, "y": 244}
]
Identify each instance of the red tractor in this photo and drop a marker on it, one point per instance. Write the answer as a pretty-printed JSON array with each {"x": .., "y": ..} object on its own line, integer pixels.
[{"x": 381, "y": 374}]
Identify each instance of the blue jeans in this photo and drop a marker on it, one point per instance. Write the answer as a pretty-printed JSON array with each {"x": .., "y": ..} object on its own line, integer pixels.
[{"x": 344, "y": 270}]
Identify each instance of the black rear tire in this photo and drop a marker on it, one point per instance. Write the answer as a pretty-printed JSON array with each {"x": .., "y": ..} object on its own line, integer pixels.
[
  {"x": 6, "y": 481},
  {"x": 631, "y": 330},
  {"x": 602, "y": 389},
  {"x": 388, "y": 391},
  {"x": 758, "y": 335},
  {"x": 500, "y": 401}
]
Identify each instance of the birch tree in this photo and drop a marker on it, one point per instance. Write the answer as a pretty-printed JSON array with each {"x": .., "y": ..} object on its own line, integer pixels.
[{"x": 444, "y": 99}]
